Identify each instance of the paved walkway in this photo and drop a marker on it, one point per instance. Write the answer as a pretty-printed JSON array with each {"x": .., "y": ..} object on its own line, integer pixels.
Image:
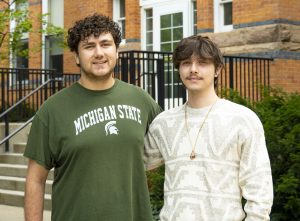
[{"x": 12, "y": 213}]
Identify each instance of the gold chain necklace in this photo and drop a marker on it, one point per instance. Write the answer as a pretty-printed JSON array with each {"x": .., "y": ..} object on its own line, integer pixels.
[{"x": 193, "y": 155}]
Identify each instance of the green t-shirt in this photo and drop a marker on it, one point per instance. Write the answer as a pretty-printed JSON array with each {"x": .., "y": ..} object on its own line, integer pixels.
[{"x": 95, "y": 142}]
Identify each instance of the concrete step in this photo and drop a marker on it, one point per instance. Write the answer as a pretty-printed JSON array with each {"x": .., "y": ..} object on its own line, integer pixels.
[
  {"x": 18, "y": 184},
  {"x": 13, "y": 158},
  {"x": 19, "y": 148},
  {"x": 16, "y": 198},
  {"x": 15, "y": 170}
]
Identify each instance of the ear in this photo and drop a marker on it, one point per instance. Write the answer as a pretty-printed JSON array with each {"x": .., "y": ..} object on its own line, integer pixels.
[
  {"x": 76, "y": 59},
  {"x": 218, "y": 71}
]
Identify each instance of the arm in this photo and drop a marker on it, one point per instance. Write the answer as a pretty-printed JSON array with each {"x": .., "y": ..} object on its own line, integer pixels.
[
  {"x": 255, "y": 176},
  {"x": 34, "y": 191},
  {"x": 152, "y": 154}
]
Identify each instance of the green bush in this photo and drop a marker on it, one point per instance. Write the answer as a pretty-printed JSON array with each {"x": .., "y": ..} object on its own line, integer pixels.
[
  {"x": 21, "y": 113},
  {"x": 280, "y": 115}
]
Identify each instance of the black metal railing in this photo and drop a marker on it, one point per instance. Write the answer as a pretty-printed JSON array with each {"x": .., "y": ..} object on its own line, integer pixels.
[
  {"x": 16, "y": 83},
  {"x": 20, "y": 111},
  {"x": 154, "y": 72},
  {"x": 246, "y": 75}
]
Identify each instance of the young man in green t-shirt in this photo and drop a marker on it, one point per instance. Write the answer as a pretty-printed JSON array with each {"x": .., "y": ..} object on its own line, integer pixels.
[{"x": 92, "y": 134}]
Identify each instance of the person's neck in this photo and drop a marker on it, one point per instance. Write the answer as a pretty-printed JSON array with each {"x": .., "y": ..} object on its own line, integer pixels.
[
  {"x": 96, "y": 84},
  {"x": 200, "y": 100}
]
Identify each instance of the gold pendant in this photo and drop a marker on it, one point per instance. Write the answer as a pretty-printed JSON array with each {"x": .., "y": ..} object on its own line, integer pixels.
[{"x": 193, "y": 155}]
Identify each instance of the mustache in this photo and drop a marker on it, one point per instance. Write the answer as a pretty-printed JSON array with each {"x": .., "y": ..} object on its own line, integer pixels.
[{"x": 194, "y": 77}]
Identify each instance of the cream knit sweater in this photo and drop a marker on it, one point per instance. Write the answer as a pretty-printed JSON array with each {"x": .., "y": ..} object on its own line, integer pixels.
[{"x": 231, "y": 162}]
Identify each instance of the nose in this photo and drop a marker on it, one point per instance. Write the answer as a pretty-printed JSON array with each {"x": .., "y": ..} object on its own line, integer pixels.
[
  {"x": 98, "y": 51},
  {"x": 194, "y": 69}
]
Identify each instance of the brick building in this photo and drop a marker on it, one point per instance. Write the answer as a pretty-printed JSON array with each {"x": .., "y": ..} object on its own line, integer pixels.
[{"x": 240, "y": 27}]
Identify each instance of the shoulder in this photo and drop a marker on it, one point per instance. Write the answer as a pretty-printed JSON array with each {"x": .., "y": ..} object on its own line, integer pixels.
[
  {"x": 168, "y": 115},
  {"x": 132, "y": 88},
  {"x": 57, "y": 99},
  {"x": 239, "y": 113}
]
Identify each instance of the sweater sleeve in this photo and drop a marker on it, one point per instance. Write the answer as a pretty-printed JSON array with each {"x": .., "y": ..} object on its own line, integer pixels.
[
  {"x": 152, "y": 155},
  {"x": 255, "y": 177}
]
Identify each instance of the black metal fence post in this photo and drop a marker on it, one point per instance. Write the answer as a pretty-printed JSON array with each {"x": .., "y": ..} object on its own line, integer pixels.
[
  {"x": 161, "y": 82},
  {"x": 231, "y": 73},
  {"x": 132, "y": 67}
]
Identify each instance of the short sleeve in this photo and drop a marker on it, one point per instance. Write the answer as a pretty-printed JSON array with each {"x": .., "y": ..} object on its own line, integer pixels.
[{"x": 37, "y": 147}]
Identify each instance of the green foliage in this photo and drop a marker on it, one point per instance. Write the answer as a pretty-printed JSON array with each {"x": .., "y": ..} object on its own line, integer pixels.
[
  {"x": 156, "y": 189},
  {"x": 23, "y": 25},
  {"x": 20, "y": 113},
  {"x": 280, "y": 115}
]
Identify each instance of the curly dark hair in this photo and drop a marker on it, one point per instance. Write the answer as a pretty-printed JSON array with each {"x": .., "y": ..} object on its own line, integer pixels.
[
  {"x": 95, "y": 25},
  {"x": 199, "y": 46}
]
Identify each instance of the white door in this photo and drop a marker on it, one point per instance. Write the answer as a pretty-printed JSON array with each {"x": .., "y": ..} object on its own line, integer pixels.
[{"x": 171, "y": 22}]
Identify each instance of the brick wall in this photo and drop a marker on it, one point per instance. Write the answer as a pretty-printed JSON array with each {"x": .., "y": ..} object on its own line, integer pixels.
[
  {"x": 133, "y": 21},
  {"x": 4, "y": 52},
  {"x": 247, "y": 11},
  {"x": 205, "y": 14},
  {"x": 34, "y": 43},
  {"x": 289, "y": 9},
  {"x": 285, "y": 74}
]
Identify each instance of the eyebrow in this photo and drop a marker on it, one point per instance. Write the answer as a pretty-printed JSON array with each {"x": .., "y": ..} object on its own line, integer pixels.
[{"x": 84, "y": 43}]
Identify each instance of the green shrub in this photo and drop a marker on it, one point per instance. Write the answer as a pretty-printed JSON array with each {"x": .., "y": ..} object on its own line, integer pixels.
[
  {"x": 280, "y": 115},
  {"x": 21, "y": 113}
]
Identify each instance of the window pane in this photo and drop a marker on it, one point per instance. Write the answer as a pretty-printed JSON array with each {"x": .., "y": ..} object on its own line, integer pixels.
[
  {"x": 165, "y": 35},
  {"x": 228, "y": 13},
  {"x": 149, "y": 48},
  {"x": 166, "y": 47},
  {"x": 165, "y": 21},
  {"x": 149, "y": 25},
  {"x": 177, "y": 19},
  {"x": 175, "y": 44},
  {"x": 177, "y": 34},
  {"x": 195, "y": 17},
  {"x": 148, "y": 13},
  {"x": 122, "y": 8},
  {"x": 149, "y": 39},
  {"x": 123, "y": 28},
  {"x": 21, "y": 56},
  {"x": 57, "y": 12}
]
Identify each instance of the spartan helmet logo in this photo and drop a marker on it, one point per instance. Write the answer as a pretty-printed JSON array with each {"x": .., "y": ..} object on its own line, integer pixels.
[{"x": 110, "y": 128}]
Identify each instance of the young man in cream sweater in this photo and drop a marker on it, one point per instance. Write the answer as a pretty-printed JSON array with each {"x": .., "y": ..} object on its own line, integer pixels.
[{"x": 214, "y": 150}]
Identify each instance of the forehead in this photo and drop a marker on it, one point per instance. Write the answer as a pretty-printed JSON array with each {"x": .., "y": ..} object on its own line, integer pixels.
[
  {"x": 100, "y": 38},
  {"x": 198, "y": 58}
]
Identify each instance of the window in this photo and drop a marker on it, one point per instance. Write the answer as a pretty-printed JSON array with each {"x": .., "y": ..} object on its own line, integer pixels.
[
  {"x": 119, "y": 14},
  {"x": 194, "y": 5},
  {"x": 171, "y": 31},
  {"x": 54, "y": 44},
  {"x": 22, "y": 55},
  {"x": 54, "y": 53},
  {"x": 56, "y": 10},
  {"x": 149, "y": 29},
  {"x": 223, "y": 15}
]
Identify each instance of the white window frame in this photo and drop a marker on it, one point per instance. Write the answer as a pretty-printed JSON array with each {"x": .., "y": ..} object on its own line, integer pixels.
[
  {"x": 117, "y": 18},
  {"x": 53, "y": 19},
  {"x": 219, "y": 16},
  {"x": 194, "y": 23}
]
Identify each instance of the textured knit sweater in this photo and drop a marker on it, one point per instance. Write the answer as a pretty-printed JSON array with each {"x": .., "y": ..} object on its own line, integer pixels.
[{"x": 231, "y": 163}]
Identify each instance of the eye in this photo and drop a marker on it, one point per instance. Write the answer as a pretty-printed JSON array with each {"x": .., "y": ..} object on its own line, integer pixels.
[
  {"x": 185, "y": 62},
  {"x": 88, "y": 46}
]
